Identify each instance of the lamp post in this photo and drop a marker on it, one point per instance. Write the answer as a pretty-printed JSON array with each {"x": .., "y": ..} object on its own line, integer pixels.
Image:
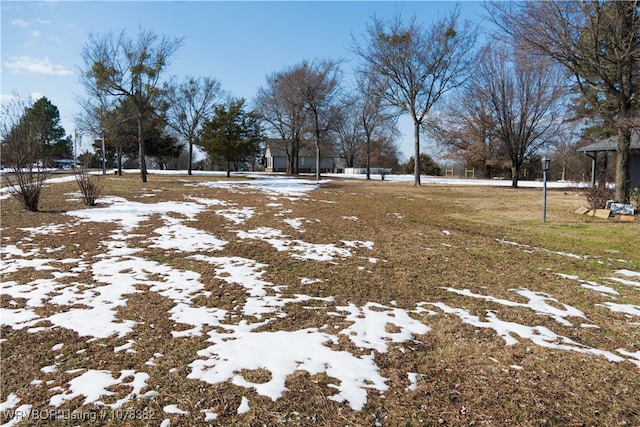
[{"x": 545, "y": 168}]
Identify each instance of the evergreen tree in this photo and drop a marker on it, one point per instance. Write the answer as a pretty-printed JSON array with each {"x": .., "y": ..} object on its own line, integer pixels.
[
  {"x": 427, "y": 166},
  {"x": 232, "y": 135},
  {"x": 43, "y": 118}
]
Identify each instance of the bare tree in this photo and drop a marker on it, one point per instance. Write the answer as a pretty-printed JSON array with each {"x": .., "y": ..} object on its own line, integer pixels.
[
  {"x": 598, "y": 42},
  {"x": 317, "y": 83},
  {"x": 367, "y": 128},
  {"x": 95, "y": 109},
  {"x": 377, "y": 121},
  {"x": 301, "y": 99},
  {"x": 465, "y": 130},
  {"x": 351, "y": 141},
  {"x": 413, "y": 66},
  {"x": 565, "y": 154},
  {"x": 104, "y": 117},
  {"x": 119, "y": 132},
  {"x": 189, "y": 105},
  {"x": 523, "y": 93},
  {"x": 118, "y": 66},
  {"x": 281, "y": 107}
]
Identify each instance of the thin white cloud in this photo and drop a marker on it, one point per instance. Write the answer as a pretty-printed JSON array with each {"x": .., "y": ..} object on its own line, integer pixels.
[
  {"x": 43, "y": 21},
  {"x": 30, "y": 98},
  {"x": 35, "y": 33},
  {"x": 36, "y": 66},
  {"x": 5, "y": 99},
  {"x": 20, "y": 23}
]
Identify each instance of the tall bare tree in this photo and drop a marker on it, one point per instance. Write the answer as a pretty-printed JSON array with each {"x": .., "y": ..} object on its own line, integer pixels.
[
  {"x": 377, "y": 121},
  {"x": 523, "y": 92},
  {"x": 465, "y": 130},
  {"x": 300, "y": 100},
  {"x": 367, "y": 128},
  {"x": 598, "y": 42},
  {"x": 414, "y": 66},
  {"x": 91, "y": 119},
  {"x": 350, "y": 145},
  {"x": 116, "y": 65},
  {"x": 317, "y": 83},
  {"x": 189, "y": 104},
  {"x": 119, "y": 132},
  {"x": 281, "y": 107},
  {"x": 109, "y": 119}
]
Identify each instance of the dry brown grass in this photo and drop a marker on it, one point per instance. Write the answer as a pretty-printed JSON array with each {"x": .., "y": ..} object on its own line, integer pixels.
[{"x": 425, "y": 239}]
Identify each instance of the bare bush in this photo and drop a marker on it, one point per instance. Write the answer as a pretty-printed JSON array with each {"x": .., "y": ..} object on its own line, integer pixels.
[
  {"x": 22, "y": 153},
  {"x": 599, "y": 195},
  {"x": 89, "y": 186},
  {"x": 25, "y": 185}
]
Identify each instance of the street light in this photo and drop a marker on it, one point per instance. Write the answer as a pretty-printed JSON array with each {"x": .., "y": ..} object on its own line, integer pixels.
[{"x": 546, "y": 163}]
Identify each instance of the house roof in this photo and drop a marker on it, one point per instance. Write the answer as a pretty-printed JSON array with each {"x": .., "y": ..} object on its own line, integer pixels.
[
  {"x": 611, "y": 144},
  {"x": 276, "y": 148}
]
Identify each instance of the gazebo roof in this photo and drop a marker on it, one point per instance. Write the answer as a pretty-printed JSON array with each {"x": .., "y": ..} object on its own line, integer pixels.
[{"x": 611, "y": 144}]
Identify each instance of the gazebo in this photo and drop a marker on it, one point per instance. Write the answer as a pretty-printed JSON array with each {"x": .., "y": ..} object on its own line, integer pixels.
[{"x": 611, "y": 144}]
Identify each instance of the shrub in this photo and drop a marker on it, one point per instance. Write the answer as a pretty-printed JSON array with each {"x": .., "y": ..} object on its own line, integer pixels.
[
  {"x": 599, "y": 195},
  {"x": 25, "y": 185},
  {"x": 23, "y": 153},
  {"x": 89, "y": 187},
  {"x": 427, "y": 166}
]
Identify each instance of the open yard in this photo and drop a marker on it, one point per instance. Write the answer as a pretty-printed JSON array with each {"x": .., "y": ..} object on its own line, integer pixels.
[{"x": 200, "y": 300}]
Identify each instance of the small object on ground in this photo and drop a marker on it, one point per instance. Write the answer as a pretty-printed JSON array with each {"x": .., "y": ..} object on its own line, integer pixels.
[
  {"x": 602, "y": 213},
  {"x": 622, "y": 209},
  {"x": 581, "y": 210}
]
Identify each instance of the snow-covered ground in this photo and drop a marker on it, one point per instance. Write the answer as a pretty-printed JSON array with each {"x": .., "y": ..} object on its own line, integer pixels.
[{"x": 233, "y": 345}]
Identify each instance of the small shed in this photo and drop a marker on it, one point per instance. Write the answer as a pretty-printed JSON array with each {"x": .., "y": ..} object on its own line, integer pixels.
[
  {"x": 276, "y": 160},
  {"x": 611, "y": 144}
]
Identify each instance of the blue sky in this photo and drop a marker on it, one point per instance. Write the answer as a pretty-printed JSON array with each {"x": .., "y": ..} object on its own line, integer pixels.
[{"x": 238, "y": 43}]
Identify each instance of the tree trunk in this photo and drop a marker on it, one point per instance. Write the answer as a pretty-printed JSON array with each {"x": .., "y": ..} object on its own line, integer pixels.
[
  {"x": 119, "y": 155},
  {"x": 289, "y": 164},
  {"x": 318, "y": 160},
  {"x": 368, "y": 156},
  {"x": 515, "y": 171},
  {"x": 296, "y": 155},
  {"x": 291, "y": 158},
  {"x": 141, "y": 151},
  {"x": 228, "y": 169},
  {"x": 416, "y": 167},
  {"x": 623, "y": 181},
  {"x": 189, "y": 168}
]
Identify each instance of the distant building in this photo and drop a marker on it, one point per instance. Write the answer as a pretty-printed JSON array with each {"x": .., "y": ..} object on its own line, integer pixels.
[
  {"x": 276, "y": 159},
  {"x": 66, "y": 164},
  {"x": 611, "y": 144}
]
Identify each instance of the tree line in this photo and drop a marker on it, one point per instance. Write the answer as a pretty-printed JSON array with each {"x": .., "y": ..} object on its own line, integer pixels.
[{"x": 555, "y": 73}]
